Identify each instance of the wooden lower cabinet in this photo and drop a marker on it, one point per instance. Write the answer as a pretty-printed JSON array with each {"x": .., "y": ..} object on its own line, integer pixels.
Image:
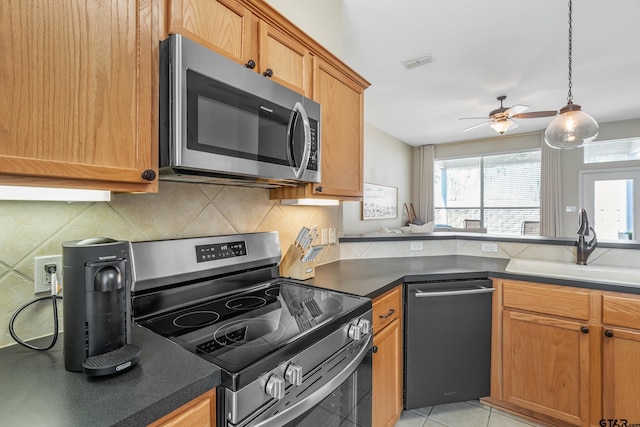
[
  {"x": 621, "y": 357},
  {"x": 200, "y": 412},
  {"x": 565, "y": 355},
  {"x": 387, "y": 358},
  {"x": 546, "y": 365}
]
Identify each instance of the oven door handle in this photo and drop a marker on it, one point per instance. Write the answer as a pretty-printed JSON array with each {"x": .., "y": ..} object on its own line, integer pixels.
[{"x": 294, "y": 411}]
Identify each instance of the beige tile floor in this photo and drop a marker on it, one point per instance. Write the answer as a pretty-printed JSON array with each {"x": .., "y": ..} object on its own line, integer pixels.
[{"x": 461, "y": 414}]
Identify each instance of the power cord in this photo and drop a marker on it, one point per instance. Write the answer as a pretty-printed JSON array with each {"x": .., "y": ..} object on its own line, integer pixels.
[{"x": 54, "y": 297}]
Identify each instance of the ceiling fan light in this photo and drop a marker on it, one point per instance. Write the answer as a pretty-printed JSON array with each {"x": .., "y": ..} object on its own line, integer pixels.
[
  {"x": 572, "y": 128},
  {"x": 501, "y": 126}
]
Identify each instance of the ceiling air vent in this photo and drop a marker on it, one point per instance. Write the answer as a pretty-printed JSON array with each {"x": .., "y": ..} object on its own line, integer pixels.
[{"x": 425, "y": 59}]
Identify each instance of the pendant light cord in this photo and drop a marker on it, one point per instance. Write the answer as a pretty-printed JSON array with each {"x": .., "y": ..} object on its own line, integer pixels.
[{"x": 570, "y": 96}]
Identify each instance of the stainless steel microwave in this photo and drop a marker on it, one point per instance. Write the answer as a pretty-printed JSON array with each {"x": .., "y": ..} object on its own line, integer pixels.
[{"x": 221, "y": 122}]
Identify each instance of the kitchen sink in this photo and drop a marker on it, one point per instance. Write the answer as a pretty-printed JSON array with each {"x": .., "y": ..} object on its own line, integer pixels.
[{"x": 564, "y": 270}]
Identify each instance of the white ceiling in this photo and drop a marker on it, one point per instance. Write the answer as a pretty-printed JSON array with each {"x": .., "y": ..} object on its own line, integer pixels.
[{"x": 487, "y": 48}]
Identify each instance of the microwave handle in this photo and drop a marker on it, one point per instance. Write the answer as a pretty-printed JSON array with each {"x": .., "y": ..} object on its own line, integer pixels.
[{"x": 299, "y": 109}]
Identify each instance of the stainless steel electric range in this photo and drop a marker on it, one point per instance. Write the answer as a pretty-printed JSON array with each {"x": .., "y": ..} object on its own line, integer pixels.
[{"x": 290, "y": 354}]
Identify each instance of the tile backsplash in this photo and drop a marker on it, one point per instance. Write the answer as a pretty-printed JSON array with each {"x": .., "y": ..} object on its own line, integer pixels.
[{"x": 29, "y": 229}]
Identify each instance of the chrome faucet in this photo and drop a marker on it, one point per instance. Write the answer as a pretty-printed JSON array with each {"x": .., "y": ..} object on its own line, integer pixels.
[{"x": 585, "y": 248}]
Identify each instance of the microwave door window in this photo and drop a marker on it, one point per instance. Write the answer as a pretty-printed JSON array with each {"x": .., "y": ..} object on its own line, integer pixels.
[
  {"x": 274, "y": 122},
  {"x": 225, "y": 120},
  {"x": 220, "y": 118}
]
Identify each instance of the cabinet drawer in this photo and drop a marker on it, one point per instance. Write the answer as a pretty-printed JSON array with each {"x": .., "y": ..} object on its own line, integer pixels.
[
  {"x": 386, "y": 308},
  {"x": 547, "y": 299},
  {"x": 621, "y": 311}
]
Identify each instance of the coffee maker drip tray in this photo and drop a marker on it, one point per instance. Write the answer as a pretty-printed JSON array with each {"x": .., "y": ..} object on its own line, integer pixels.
[{"x": 113, "y": 361}]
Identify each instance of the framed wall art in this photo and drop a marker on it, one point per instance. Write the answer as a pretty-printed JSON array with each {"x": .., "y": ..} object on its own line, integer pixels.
[{"x": 379, "y": 202}]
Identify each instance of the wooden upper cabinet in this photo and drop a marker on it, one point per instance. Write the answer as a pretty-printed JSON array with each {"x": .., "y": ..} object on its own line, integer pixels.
[
  {"x": 341, "y": 97},
  {"x": 79, "y": 85},
  {"x": 222, "y": 25},
  {"x": 289, "y": 60}
]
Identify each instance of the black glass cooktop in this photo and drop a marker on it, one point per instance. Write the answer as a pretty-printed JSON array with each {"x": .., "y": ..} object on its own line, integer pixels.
[{"x": 239, "y": 329}]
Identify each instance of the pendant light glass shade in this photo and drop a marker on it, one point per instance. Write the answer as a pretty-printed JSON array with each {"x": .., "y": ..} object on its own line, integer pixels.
[{"x": 572, "y": 128}]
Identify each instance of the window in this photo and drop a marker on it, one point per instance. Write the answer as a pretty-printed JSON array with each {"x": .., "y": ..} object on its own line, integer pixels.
[
  {"x": 502, "y": 191},
  {"x": 608, "y": 197},
  {"x": 618, "y": 150}
]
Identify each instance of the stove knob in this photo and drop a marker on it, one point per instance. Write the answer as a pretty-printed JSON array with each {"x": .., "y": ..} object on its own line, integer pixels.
[
  {"x": 275, "y": 387},
  {"x": 365, "y": 326},
  {"x": 354, "y": 332},
  {"x": 293, "y": 374}
]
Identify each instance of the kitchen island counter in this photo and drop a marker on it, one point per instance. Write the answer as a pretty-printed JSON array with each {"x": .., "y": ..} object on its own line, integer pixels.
[
  {"x": 38, "y": 391},
  {"x": 374, "y": 276}
]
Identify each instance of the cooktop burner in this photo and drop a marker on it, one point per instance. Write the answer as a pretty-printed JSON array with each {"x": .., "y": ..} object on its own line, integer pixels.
[
  {"x": 245, "y": 303},
  {"x": 236, "y": 330},
  {"x": 196, "y": 319}
]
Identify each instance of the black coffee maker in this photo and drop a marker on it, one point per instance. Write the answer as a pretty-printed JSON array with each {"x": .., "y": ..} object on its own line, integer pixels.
[{"x": 97, "y": 307}]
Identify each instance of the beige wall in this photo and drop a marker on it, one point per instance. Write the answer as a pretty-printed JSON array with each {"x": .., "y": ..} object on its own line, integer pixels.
[
  {"x": 321, "y": 20},
  {"x": 29, "y": 229},
  {"x": 387, "y": 161}
]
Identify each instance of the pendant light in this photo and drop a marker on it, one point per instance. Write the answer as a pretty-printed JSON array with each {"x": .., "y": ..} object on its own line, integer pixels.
[{"x": 573, "y": 127}]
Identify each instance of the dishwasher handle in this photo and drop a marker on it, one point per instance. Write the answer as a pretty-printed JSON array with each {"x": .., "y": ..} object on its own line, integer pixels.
[{"x": 480, "y": 290}]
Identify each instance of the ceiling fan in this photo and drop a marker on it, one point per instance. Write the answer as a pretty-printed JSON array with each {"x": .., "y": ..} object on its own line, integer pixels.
[{"x": 501, "y": 121}]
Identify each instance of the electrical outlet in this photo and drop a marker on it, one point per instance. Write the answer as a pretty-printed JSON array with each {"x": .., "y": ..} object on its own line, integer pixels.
[
  {"x": 42, "y": 279},
  {"x": 489, "y": 247},
  {"x": 417, "y": 245},
  {"x": 325, "y": 236},
  {"x": 332, "y": 236}
]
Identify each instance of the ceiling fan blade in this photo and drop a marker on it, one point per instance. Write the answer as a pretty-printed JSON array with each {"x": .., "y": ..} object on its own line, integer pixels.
[
  {"x": 516, "y": 109},
  {"x": 535, "y": 114},
  {"x": 476, "y": 126},
  {"x": 472, "y": 118},
  {"x": 514, "y": 125}
]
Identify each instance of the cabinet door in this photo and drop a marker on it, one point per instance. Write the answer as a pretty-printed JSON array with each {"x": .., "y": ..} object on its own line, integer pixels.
[
  {"x": 387, "y": 375},
  {"x": 79, "y": 86},
  {"x": 546, "y": 366},
  {"x": 621, "y": 375},
  {"x": 341, "y": 100},
  {"x": 222, "y": 25},
  {"x": 200, "y": 412},
  {"x": 288, "y": 59}
]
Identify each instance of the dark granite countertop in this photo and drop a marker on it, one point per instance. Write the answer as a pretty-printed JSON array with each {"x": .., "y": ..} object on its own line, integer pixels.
[
  {"x": 37, "y": 390},
  {"x": 373, "y": 277}
]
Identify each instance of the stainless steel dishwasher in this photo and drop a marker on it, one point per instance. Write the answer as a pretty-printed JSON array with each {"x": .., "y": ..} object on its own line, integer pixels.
[{"x": 447, "y": 341}]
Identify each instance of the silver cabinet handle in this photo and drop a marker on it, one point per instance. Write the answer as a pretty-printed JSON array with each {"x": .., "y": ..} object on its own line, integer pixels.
[{"x": 423, "y": 294}]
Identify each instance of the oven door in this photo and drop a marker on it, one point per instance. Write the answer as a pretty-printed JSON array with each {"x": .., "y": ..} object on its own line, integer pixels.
[
  {"x": 347, "y": 406},
  {"x": 338, "y": 393}
]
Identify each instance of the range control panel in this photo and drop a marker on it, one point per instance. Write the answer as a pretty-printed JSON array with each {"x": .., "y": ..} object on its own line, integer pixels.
[{"x": 217, "y": 251}]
